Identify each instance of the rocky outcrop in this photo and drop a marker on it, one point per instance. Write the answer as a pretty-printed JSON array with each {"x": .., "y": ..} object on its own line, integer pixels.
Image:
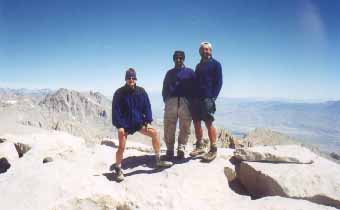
[
  {"x": 267, "y": 137},
  {"x": 335, "y": 155},
  {"x": 76, "y": 104},
  {"x": 22, "y": 148},
  {"x": 318, "y": 182},
  {"x": 85, "y": 114},
  {"x": 226, "y": 140},
  {"x": 276, "y": 154}
]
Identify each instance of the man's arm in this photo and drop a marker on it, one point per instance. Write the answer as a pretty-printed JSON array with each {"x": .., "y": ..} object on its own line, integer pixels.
[
  {"x": 193, "y": 86},
  {"x": 117, "y": 115},
  {"x": 219, "y": 80},
  {"x": 165, "y": 89},
  {"x": 147, "y": 109},
  {"x": 196, "y": 82}
]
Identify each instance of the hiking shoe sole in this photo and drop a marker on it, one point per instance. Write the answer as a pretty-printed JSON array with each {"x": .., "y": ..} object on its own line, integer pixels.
[
  {"x": 196, "y": 153},
  {"x": 164, "y": 164},
  {"x": 209, "y": 157}
]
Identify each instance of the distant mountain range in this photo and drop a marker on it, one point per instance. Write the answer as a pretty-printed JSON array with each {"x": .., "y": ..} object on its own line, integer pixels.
[
  {"x": 311, "y": 122},
  {"x": 86, "y": 114},
  {"x": 24, "y": 92},
  {"x": 316, "y": 123},
  {"x": 89, "y": 114}
]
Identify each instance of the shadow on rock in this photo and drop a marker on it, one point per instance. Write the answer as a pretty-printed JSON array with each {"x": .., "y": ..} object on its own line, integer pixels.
[
  {"x": 111, "y": 176},
  {"x": 176, "y": 160},
  {"x": 108, "y": 143},
  {"x": 147, "y": 161},
  {"x": 233, "y": 180},
  {"x": 135, "y": 161}
]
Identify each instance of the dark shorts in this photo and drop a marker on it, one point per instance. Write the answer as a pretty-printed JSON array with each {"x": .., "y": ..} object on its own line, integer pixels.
[
  {"x": 203, "y": 109},
  {"x": 133, "y": 130}
]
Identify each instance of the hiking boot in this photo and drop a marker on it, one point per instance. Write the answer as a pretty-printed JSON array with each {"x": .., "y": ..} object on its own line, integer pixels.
[
  {"x": 119, "y": 174},
  {"x": 180, "y": 154},
  {"x": 198, "y": 150},
  {"x": 211, "y": 155},
  {"x": 169, "y": 155},
  {"x": 163, "y": 164}
]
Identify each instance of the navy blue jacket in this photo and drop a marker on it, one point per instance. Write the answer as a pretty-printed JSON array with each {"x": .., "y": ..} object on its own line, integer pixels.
[
  {"x": 179, "y": 83},
  {"x": 209, "y": 79},
  {"x": 131, "y": 108}
]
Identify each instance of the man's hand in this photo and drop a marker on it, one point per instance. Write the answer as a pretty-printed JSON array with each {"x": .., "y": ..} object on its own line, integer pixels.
[{"x": 148, "y": 126}]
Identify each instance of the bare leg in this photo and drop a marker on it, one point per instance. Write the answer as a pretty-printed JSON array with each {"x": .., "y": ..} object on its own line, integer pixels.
[
  {"x": 212, "y": 133},
  {"x": 153, "y": 133},
  {"x": 211, "y": 155},
  {"x": 199, "y": 149},
  {"x": 122, "y": 141},
  {"x": 198, "y": 130}
]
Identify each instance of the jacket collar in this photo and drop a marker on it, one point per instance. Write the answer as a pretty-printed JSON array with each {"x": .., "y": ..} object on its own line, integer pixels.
[
  {"x": 180, "y": 68},
  {"x": 207, "y": 61},
  {"x": 128, "y": 89}
]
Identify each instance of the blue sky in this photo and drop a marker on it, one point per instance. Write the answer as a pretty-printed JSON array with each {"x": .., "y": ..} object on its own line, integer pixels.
[{"x": 268, "y": 49}]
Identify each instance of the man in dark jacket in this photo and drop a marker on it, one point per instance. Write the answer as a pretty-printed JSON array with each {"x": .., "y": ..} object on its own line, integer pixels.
[
  {"x": 178, "y": 89},
  {"x": 208, "y": 83},
  {"x": 131, "y": 112}
]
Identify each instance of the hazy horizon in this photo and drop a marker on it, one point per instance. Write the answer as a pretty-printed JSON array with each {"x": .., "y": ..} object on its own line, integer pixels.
[{"x": 158, "y": 93}]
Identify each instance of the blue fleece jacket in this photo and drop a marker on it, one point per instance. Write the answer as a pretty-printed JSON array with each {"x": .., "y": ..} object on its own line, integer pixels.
[
  {"x": 179, "y": 82},
  {"x": 131, "y": 108},
  {"x": 209, "y": 79}
]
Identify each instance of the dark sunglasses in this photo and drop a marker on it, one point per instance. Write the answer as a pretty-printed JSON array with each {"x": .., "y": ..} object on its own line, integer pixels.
[
  {"x": 179, "y": 57},
  {"x": 132, "y": 78}
]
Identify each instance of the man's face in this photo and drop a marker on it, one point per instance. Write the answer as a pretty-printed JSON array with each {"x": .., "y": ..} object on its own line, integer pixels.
[
  {"x": 179, "y": 60},
  {"x": 131, "y": 82},
  {"x": 205, "y": 52}
]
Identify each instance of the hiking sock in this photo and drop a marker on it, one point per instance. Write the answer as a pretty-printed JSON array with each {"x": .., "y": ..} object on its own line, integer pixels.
[
  {"x": 199, "y": 142},
  {"x": 158, "y": 157},
  {"x": 213, "y": 147}
]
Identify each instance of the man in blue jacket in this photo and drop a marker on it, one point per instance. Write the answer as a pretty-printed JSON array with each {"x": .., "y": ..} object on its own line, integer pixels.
[
  {"x": 208, "y": 83},
  {"x": 178, "y": 89},
  {"x": 131, "y": 112}
]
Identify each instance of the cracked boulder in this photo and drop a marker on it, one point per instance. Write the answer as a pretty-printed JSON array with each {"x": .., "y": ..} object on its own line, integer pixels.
[
  {"x": 318, "y": 182},
  {"x": 276, "y": 154}
]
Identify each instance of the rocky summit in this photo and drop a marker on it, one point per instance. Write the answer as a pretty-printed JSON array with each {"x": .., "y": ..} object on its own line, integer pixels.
[{"x": 80, "y": 177}]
